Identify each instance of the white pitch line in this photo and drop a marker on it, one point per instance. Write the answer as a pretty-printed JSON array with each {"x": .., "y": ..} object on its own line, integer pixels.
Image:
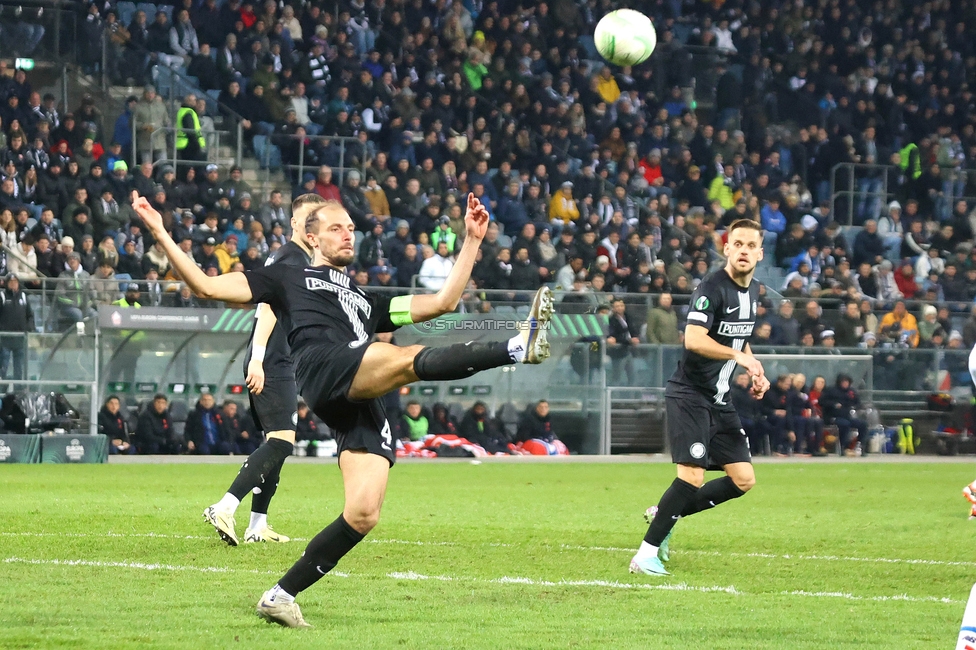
[
  {"x": 504, "y": 580},
  {"x": 563, "y": 547}
]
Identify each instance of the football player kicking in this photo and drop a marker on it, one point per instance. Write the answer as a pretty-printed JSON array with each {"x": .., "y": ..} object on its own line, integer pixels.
[
  {"x": 270, "y": 378},
  {"x": 703, "y": 427},
  {"x": 343, "y": 376}
]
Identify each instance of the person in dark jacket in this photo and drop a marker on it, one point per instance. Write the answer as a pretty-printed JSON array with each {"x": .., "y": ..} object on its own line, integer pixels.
[
  {"x": 535, "y": 424},
  {"x": 750, "y": 413},
  {"x": 868, "y": 245},
  {"x": 154, "y": 431},
  {"x": 237, "y": 430},
  {"x": 480, "y": 429},
  {"x": 622, "y": 341},
  {"x": 441, "y": 423},
  {"x": 204, "y": 435},
  {"x": 354, "y": 201},
  {"x": 807, "y": 424},
  {"x": 306, "y": 428},
  {"x": 16, "y": 319},
  {"x": 111, "y": 422},
  {"x": 779, "y": 424},
  {"x": 839, "y": 404}
]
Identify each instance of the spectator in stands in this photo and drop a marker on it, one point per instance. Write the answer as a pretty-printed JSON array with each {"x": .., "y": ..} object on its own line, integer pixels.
[
  {"x": 441, "y": 422},
  {"x": 839, "y": 404},
  {"x": 850, "y": 326},
  {"x": 622, "y": 342},
  {"x": 151, "y": 117},
  {"x": 807, "y": 424},
  {"x": 237, "y": 430},
  {"x": 112, "y": 423},
  {"x": 479, "y": 428},
  {"x": 415, "y": 424},
  {"x": 74, "y": 294},
  {"x": 750, "y": 413},
  {"x": 204, "y": 433},
  {"x": 154, "y": 431},
  {"x": 779, "y": 421},
  {"x": 868, "y": 245},
  {"x": 436, "y": 268},
  {"x": 900, "y": 325},
  {"x": 324, "y": 186},
  {"x": 662, "y": 322},
  {"x": 307, "y": 428},
  {"x": 16, "y": 320}
]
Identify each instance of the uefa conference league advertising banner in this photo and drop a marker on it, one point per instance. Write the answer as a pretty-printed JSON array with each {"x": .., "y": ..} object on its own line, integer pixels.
[
  {"x": 54, "y": 448},
  {"x": 84, "y": 448},
  {"x": 16, "y": 448}
]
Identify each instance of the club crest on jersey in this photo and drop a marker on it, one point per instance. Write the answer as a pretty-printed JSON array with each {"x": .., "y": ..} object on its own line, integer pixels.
[
  {"x": 697, "y": 450},
  {"x": 701, "y": 304},
  {"x": 735, "y": 330}
]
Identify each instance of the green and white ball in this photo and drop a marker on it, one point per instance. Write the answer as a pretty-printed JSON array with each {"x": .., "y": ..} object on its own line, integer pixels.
[{"x": 625, "y": 37}]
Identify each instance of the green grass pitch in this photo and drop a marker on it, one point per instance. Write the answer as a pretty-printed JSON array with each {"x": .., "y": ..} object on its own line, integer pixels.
[{"x": 847, "y": 555}]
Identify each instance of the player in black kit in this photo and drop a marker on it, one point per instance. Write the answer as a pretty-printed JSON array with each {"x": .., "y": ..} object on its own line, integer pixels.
[
  {"x": 343, "y": 375},
  {"x": 270, "y": 378},
  {"x": 703, "y": 427}
]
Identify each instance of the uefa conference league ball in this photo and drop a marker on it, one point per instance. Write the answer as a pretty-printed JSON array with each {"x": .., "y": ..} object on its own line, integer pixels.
[{"x": 625, "y": 37}]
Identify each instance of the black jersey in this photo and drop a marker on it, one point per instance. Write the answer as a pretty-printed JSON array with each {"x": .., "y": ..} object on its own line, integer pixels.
[
  {"x": 277, "y": 357},
  {"x": 728, "y": 312},
  {"x": 322, "y": 304}
]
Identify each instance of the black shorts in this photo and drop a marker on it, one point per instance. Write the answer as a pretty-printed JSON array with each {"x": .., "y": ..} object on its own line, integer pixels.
[
  {"x": 276, "y": 408},
  {"x": 701, "y": 432},
  {"x": 325, "y": 373}
]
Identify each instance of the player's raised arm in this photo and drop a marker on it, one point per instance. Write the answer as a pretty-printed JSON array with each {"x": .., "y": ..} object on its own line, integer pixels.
[
  {"x": 698, "y": 341},
  {"x": 231, "y": 287},
  {"x": 426, "y": 307}
]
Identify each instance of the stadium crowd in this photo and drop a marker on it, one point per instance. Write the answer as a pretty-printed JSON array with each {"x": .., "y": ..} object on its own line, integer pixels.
[{"x": 604, "y": 182}]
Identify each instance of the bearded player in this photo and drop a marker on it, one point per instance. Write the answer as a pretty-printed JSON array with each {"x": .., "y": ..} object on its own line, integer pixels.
[
  {"x": 343, "y": 374},
  {"x": 703, "y": 427}
]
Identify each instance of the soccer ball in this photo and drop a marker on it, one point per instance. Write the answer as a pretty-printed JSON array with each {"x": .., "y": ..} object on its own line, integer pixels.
[{"x": 625, "y": 37}]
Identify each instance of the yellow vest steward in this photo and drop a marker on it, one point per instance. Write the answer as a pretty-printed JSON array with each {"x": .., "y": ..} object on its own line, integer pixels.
[{"x": 182, "y": 139}]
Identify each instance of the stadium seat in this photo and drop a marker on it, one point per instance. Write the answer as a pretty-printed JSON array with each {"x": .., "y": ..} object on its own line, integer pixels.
[
  {"x": 508, "y": 415},
  {"x": 126, "y": 11},
  {"x": 456, "y": 411}
]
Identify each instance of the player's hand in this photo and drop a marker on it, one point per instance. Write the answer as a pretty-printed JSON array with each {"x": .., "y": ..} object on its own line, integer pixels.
[
  {"x": 148, "y": 214},
  {"x": 476, "y": 218},
  {"x": 255, "y": 376},
  {"x": 751, "y": 364},
  {"x": 759, "y": 386}
]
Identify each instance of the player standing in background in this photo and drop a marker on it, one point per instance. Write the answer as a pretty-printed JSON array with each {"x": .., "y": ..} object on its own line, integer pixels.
[
  {"x": 703, "y": 427},
  {"x": 970, "y": 490},
  {"x": 343, "y": 376},
  {"x": 270, "y": 378}
]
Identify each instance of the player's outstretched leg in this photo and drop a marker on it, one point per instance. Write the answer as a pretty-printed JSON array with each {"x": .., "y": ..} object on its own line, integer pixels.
[
  {"x": 364, "y": 478},
  {"x": 387, "y": 367},
  {"x": 260, "y": 472}
]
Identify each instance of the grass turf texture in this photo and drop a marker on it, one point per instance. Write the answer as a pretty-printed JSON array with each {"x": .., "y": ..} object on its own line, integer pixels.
[{"x": 482, "y": 525}]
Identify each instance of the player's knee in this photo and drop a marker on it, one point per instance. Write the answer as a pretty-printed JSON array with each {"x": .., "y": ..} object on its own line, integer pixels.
[
  {"x": 363, "y": 519},
  {"x": 745, "y": 483}
]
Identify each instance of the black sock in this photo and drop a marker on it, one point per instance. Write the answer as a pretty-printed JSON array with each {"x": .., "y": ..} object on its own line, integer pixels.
[
  {"x": 461, "y": 360},
  {"x": 711, "y": 494},
  {"x": 263, "y": 464},
  {"x": 262, "y": 494},
  {"x": 320, "y": 556},
  {"x": 673, "y": 502}
]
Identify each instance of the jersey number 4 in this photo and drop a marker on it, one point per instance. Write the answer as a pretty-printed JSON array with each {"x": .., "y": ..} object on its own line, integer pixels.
[{"x": 387, "y": 436}]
